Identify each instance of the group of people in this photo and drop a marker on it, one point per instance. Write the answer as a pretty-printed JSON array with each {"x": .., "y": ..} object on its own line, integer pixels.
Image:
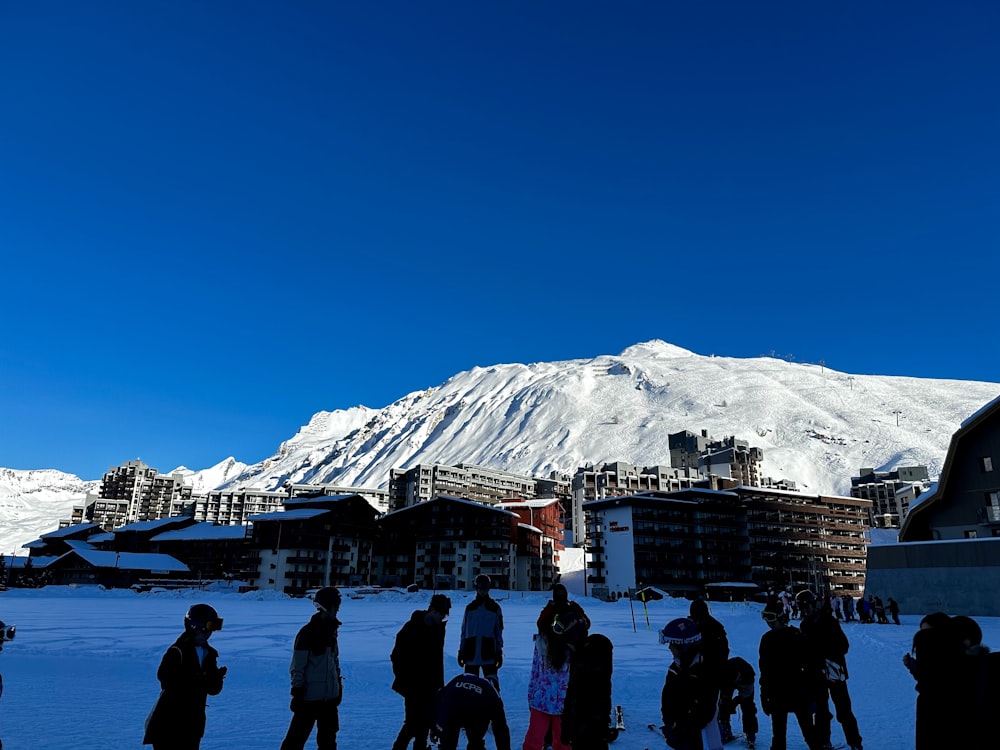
[
  {"x": 846, "y": 609},
  {"x": 802, "y": 670},
  {"x": 957, "y": 683},
  {"x": 569, "y": 690},
  {"x": 569, "y": 693}
]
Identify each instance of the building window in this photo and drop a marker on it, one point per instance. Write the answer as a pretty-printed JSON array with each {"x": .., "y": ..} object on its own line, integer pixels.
[
  {"x": 986, "y": 463},
  {"x": 971, "y": 534}
]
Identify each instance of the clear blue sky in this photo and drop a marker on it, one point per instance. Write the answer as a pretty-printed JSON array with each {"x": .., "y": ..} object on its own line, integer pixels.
[{"x": 217, "y": 219}]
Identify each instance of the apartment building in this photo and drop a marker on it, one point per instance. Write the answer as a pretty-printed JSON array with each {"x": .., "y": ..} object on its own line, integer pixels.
[
  {"x": 135, "y": 492},
  {"x": 235, "y": 507},
  {"x": 891, "y": 492},
  {"x": 682, "y": 541},
  {"x": 618, "y": 478},
  {"x": 313, "y": 542},
  {"x": 445, "y": 542},
  {"x": 419, "y": 484}
]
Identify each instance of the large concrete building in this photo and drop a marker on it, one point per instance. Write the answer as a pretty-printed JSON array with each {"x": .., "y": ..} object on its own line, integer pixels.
[
  {"x": 684, "y": 540},
  {"x": 891, "y": 492},
  {"x": 420, "y": 483},
  {"x": 135, "y": 492}
]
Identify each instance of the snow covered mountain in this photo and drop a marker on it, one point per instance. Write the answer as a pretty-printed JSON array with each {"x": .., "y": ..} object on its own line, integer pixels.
[
  {"x": 816, "y": 426},
  {"x": 33, "y": 501}
]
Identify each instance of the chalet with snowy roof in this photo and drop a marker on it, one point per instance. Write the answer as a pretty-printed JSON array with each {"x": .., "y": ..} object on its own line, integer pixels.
[
  {"x": 136, "y": 537},
  {"x": 210, "y": 551},
  {"x": 113, "y": 569},
  {"x": 445, "y": 542},
  {"x": 948, "y": 555},
  {"x": 686, "y": 540},
  {"x": 55, "y": 542},
  {"x": 316, "y": 541}
]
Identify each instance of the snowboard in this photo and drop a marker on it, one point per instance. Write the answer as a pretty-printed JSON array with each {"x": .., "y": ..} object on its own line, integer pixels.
[{"x": 618, "y": 726}]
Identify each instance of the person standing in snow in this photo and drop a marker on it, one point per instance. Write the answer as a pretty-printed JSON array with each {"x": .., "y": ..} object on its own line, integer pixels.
[
  {"x": 715, "y": 656},
  {"x": 6, "y": 634},
  {"x": 547, "y": 684},
  {"x": 472, "y": 703},
  {"x": 481, "y": 645},
  {"x": 826, "y": 647},
  {"x": 689, "y": 702},
  {"x": 784, "y": 682},
  {"x": 560, "y": 605},
  {"x": 188, "y": 674},
  {"x": 893, "y": 608},
  {"x": 317, "y": 685},
  {"x": 418, "y": 668},
  {"x": 586, "y": 718}
]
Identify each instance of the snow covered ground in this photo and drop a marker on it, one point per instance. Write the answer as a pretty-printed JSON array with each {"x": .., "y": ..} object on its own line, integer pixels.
[{"x": 81, "y": 672}]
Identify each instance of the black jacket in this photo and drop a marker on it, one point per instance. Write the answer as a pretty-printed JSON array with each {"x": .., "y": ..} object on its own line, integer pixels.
[
  {"x": 179, "y": 713},
  {"x": 418, "y": 656},
  {"x": 470, "y": 702},
  {"x": 587, "y": 709},
  {"x": 785, "y": 682},
  {"x": 688, "y": 702}
]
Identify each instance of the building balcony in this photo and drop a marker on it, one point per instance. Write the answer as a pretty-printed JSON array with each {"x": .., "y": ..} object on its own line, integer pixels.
[{"x": 989, "y": 514}]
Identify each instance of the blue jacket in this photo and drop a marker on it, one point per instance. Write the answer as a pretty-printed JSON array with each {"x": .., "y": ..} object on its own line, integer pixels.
[{"x": 482, "y": 633}]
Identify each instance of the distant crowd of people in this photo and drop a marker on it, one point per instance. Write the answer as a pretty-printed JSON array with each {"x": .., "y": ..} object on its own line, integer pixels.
[{"x": 845, "y": 609}]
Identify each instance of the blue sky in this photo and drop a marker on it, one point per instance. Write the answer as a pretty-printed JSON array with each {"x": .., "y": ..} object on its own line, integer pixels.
[{"x": 217, "y": 219}]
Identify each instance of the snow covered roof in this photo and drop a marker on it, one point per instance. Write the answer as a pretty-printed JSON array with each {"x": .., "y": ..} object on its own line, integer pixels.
[
  {"x": 130, "y": 560},
  {"x": 299, "y": 514},
  {"x": 537, "y": 503},
  {"x": 151, "y": 525},
  {"x": 318, "y": 499},
  {"x": 69, "y": 530},
  {"x": 107, "y": 536},
  {"x": 204, "y": 530},
  {"x": 463, "y": 500},
  {"x": 37, "y": 544},
  {"x": 77, "y": 544}
]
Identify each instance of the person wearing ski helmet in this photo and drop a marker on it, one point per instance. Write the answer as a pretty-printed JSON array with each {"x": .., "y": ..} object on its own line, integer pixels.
[
  {"x": 690, "y": 697},
  {"x": 826, "y": 651},
  {"x": 188, "y": 674},
  {"x": 481, "y": 639},
  {"x": 6, "y": 634},
  {"x": 317, "y": 685}
]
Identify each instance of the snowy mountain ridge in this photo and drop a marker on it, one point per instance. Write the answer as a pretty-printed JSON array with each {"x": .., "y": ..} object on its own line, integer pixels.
[{"x": 816, "y": 426}]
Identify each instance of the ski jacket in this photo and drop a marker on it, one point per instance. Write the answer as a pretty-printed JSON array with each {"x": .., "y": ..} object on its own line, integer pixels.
[
  {"x": 714, "y": 646},
  {"x": 785, "y": 683},
  {"x": 737, "y": 672},
  {"x": 586, "y": 715},
  {"x": 418, "y": 656},
  {"x": 552, "y": 609},
  {"x": 315, "y": 666},
  {"x": 825, "y": 640},
  {"x": 482, "y": 633},
  {"x": 178, "y": 717},
  {"x": 470, "y": 702},
  {"x": 547, "y": 683},
  {"x": 688, "y": 702}
]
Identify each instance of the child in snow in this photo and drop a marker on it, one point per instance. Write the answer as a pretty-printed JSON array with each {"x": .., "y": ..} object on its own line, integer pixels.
[
  {"x": 690, "y": 696},
  {"x": 547, "y": 691}
]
